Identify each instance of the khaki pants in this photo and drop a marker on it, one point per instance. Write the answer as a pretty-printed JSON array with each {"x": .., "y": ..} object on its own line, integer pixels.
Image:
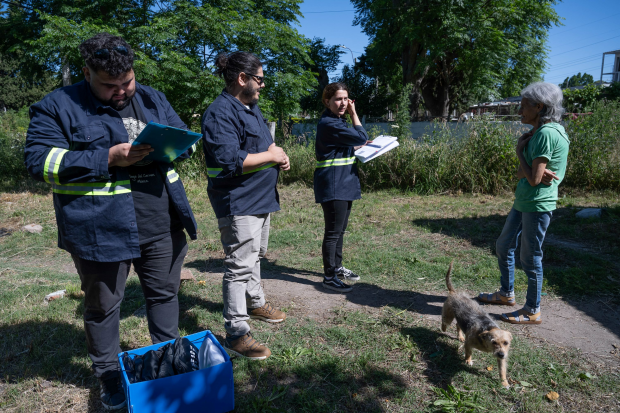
[{"x": 245, "y": 240}]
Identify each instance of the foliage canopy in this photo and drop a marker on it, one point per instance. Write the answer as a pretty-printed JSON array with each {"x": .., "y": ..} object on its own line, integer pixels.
[
  {"x": 577, "y": 80},
  {"x": 457, "y": 51},
  {"x": 175, "y": 42}
]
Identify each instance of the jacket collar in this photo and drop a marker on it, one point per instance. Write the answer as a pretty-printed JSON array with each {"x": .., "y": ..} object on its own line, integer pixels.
[
  {"x": 328, "y": 113},
  {"x": 237, "y": 103}
]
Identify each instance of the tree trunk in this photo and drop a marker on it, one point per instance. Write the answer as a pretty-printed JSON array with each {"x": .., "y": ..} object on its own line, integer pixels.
[
  {"x": 66, "y": 74},
  {"x": 436, "y": 91}
]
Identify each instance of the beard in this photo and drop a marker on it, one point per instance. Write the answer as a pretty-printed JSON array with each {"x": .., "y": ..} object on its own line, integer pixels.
[
  {"x": 121, "y": 104},
  {"x": 249, "y": 92},
  {"x": 116, "y": 104}
]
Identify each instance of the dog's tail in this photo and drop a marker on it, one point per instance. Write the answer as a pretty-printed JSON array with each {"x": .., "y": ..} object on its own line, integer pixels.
[{"x": 448, "y": 282}]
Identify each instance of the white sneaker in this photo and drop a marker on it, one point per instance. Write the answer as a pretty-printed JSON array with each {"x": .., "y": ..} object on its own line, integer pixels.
[{"x": 348, "y": 275}]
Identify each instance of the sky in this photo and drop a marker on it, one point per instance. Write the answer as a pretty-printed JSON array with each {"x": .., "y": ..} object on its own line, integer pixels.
[{"x": 589, "y": 29}]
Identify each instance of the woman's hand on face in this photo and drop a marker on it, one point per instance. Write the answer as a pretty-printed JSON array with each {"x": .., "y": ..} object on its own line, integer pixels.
[
  {"x": 523, "y": 140},
  {"x": 351, "y": 107}
]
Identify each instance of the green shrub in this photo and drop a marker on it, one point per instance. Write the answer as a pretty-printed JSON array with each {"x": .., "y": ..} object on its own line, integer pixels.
[
  {"x": 594, "y": 156},
  {"x": 13, "y": 128},
  {"x": 478, "y": 159},
  {"x": 581, "y": 100},
  {"x": 194, "y": 167},
  {"x": 481, "y": 159}
]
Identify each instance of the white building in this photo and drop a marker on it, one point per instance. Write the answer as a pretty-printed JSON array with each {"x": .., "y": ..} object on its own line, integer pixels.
[{"x": 615, "y": 72}]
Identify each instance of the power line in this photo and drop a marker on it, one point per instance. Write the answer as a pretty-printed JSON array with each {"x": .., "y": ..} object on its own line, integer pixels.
[
  {"x": 560, "y": 78},
  {"x": 586, "y": 24},
  {"x": 588, "y": 45},
  {"x": 569, "y": 62},
  {"x": 574, "y": 64}
]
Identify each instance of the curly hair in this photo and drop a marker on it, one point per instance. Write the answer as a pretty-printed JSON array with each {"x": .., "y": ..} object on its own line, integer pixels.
[
  {"x": 115, "y": 64},
  {"x": 331, "y": 89},
  {"x": 229, "y": 65}
]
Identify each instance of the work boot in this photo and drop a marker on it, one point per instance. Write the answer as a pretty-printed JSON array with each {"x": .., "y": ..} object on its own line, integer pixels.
[
  {"x": 267, "y": 313},
  {"x": 112, "y": 394},
  {"x": 246, "y": 346}
]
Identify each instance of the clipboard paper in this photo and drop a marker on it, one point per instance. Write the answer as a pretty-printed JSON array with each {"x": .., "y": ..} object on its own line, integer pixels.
[{"x": 378, "y": 147}]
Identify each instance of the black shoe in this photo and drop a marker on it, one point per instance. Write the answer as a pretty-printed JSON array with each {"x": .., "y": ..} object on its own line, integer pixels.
[
  {"x": 347, "y": 274},
  {"x": 112, "y": 394},
  {"x": 335, "y": 284}
]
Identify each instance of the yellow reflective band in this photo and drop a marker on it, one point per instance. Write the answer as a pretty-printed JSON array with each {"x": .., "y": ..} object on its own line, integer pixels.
[
  {"x": 94, "y": 188},
  {"x": 173, "y": 176},
  {"x": 335, "y": 162},
  {"x": 213, "y": 172},
  {"x": 52, "y": 165},
  {"x": 194, "y": 148}
]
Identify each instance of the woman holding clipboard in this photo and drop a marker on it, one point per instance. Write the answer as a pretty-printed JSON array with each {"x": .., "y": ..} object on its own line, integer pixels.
[{"x": 336, "y": 180}]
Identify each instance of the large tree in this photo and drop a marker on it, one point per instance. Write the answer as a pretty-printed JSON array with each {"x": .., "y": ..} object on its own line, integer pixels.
[
  {"x": 21, "y": 88},
  {"x": 373, "y": 98},
  {"x": 324, "y": 59},
  {"x": 456, "y": 51},
  {"x": 175, "y": 43}
]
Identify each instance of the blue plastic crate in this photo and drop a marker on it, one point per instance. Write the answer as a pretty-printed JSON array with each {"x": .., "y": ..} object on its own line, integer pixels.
[{"x": 206, "y": 390}]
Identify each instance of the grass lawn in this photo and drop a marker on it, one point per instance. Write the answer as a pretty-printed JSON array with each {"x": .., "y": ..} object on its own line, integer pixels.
[{"x": 384, "y": 354}]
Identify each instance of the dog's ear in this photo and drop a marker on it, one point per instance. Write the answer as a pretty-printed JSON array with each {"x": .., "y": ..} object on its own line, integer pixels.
[{"x": 485, "y": 335}]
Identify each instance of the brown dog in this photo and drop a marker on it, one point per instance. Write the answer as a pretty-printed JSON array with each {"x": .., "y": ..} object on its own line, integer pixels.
[{"x": 475, "y": 328}]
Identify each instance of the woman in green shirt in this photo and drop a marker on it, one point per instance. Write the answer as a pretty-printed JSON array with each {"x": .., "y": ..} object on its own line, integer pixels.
[{"x": 542, "y": 156}]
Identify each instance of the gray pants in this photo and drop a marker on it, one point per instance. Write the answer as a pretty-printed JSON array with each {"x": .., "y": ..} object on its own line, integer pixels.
[{"x": 244, "y": 239}]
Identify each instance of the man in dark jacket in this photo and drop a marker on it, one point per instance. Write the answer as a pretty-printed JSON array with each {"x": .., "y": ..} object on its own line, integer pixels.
[
  {"x": 113, "y": 207},
  {"x": 243, "y": 165}
]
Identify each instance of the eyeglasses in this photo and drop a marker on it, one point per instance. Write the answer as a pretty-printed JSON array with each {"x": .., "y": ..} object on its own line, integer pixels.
[
  {"x": 259, "y": 79},
  {"x": 105, "y": 53}
]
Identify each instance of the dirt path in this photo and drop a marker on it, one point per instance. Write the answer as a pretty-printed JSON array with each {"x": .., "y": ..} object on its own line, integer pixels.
[{"x": 593, "y": 327}]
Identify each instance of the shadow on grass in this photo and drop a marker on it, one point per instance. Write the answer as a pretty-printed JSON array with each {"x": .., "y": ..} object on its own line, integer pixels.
[
  {"x": 320, "y": 384},
  {"x": 362, "y": 294},
  {"x": 573, "y": 270},
  {"x": 442, "y": 360},
  {"x": 55, "y": 350}
]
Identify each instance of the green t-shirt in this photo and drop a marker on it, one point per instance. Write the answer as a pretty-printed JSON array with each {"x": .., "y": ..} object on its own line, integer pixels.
[{"x": 551, "y": 142}]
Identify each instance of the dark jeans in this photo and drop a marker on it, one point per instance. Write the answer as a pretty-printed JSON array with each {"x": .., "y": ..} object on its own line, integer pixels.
[
  {"x": 336, "y": 215},
  {"x": 103, "y": 283}
]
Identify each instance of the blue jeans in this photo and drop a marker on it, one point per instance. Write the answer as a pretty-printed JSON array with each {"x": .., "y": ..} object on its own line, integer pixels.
[{"x": 532, "y": 226}]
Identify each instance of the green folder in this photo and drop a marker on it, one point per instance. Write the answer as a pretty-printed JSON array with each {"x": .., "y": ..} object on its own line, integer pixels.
[{"x": 169, "y": 143}]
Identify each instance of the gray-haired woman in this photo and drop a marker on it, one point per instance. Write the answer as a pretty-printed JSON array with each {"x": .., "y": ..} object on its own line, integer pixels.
[{"x": 542, "y": 156}]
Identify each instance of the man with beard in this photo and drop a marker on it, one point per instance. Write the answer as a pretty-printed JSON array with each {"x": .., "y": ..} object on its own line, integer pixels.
[
  {"x": 243, "y": 165},
  {"x": 113, "y": 209}
]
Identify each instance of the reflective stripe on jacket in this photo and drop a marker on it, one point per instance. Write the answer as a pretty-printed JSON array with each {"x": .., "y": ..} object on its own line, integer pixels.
[
  {"x": 67, "y": 146},
  {"x": 231, "y": 131},
  {"x": 336, "y": 176}
]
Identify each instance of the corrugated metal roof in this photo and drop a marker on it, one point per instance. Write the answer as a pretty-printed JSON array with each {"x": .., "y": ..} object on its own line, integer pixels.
[{"x": 613, "y": 52}]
